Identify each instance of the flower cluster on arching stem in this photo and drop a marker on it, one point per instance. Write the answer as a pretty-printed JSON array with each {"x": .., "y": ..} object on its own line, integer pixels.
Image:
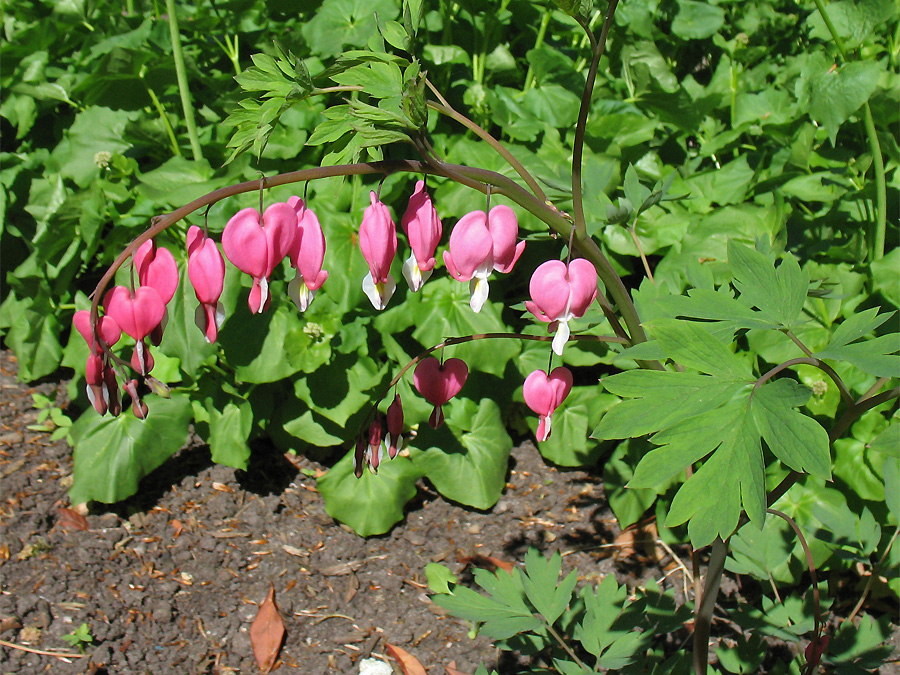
[{"x": 481, "y": 243}]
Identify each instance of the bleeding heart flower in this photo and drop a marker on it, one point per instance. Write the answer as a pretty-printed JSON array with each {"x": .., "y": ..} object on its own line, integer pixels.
[
  {"x": 375, "y": 451},
  {"x": 545, "y": 394},
  {"x": 560, "y": 293},
  {"x": 256, "y": 248},
  {"x": 438, "y": 383},
  {"x": 307, "y": 256},
  {"x": 156, "y": 267},
  {"x": 138, "y": 315},
  {"x": 206, "y": 271},
  {"x": 378, "y": 243},
  {"x": 106, "y": 326},
  {"x": 423, "y": 229},
  {"x": 481, "y": 243},
  {"x": 395, "y": 427}
]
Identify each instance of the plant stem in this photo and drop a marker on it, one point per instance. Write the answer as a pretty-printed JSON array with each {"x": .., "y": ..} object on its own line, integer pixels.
[
  {"x": 538, "y": 43},
  {"x": 704, "y": 611},
  {"x": 565, "y": 646},
  {"x": 181, "y": 76},
  {"x": 170, "y": 132},
  {"x": 810, "y": 361},
  {"x": 876, "y": 244},
  {"x": 493, "y": 142},
  {"x": 597, "y": 50}
]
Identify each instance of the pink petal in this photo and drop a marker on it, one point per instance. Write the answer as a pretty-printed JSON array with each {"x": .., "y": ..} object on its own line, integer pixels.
[
  {"x": 137, "y": 315},
  {"x": 544, "y": 394},
  {"x": 378, "y": 239},
  {"x": 422, "y": 226},
  {"x": 504, "y": 229},
  {"x": 156, "y": 267},
  {"x": 107, "y": 326},
  {"x": 245, "y": 243},
  {"x": 583, "y": 284},
  {"x": 471, "y": 246},
  {"x": 206, "y": 267},
  {"x": 280, "y": 226},
  {"x": 310, "y": 250},
  {"x": 549, "y": 289},
  {"x": 437, "y": 382}
]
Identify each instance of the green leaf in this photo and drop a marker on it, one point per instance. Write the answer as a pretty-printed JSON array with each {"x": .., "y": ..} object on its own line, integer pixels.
[
  {"x": 345, "y": 22},
  {"x": 469, "y": 464},
  {"x": 690, "y": 344},
  {"x": 659, "y": 400},
  {"x": 112, "y": 454},
  {"x": 229, "y": 429},
  {"x": 544, "y": 590},
  {"x": 697, "y": 20},
  {"x": 886, "y": 276},
  {"x": 797, "y": 440},
  {"x": 439, "y": 578},
  {"x": 836, "y": 92},
  {"x": 602, "y": 606},
  {"x": 876, "y": 356},
  {"x": 503, "y": 612},
  {"x": 33, "y": 334},
  {"x": 854, "y": 20},
  {"x": 627, "y": 504},
  {"x": 778, "y": 295},
  {"x": 888, "y": 441},
  {"x": 371, "y": 504}
]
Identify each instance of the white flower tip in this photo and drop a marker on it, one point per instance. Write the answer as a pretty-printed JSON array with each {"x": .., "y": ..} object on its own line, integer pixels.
[
  {"x": 478, "y": 287},
  {"x": 379, "y": 294},
  {"x": 561, "y": 337}
]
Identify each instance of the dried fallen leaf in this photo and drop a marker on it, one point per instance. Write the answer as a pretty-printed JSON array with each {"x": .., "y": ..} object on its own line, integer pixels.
[
  {"x": 71, "y": 520},
  {"x": 267, "y": 633},
  {"x": 409, "y": 664},
  {"x": 451, "y": 669},
  {"x": 292, "y": 550},
  {"x": 341, "y": 568},
  {"x": 352, "y": 588},
  {"x": 490, "y": 562},
  {"x": 177, "y": 528},
  {"x": 637, "y": 540},
  {"x": 221, "y": 487}
]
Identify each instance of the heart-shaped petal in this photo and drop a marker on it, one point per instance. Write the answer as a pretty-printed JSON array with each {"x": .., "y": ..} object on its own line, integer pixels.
[
  {"x": 280, "y": 226},
  {"x": 543, "y": 393},
  {"x": 583, "y": 284},
  {"x": 107, "y": 326},
  {"x": 137, "y": 315},
  {"x": 156, "y": 267},
  {"x": 471, "y": 246},
  {"x": 549, "y": 289},
  {"x": 504, "y": 229},
  {"x": 438, "y": 382},
  {"x": 244, "y": 243}
]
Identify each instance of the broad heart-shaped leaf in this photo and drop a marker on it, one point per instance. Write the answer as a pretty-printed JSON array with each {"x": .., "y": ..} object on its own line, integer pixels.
[
  {"x": 469, "y": 464},
  {"x": 544, "y": 590},
  {"x": 778, "y": 294},
  {"x": 371, "y": 504},
  {"x": 838, "y": 92},
  {"x": 504, "y": 612},
  {"x": 112, "y": 454},
  {"x": 877, "y": 356},
  {"x": 273, "y": 345},
  {"x": 797, "y": 440},
  {"x": 33, "y": 334}
]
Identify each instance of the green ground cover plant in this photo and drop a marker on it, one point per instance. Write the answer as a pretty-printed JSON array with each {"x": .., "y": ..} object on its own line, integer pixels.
[{"x": 729, "y": 171}]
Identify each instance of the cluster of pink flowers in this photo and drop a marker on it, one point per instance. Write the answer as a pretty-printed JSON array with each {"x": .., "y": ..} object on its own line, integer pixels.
[{"x": 480, "y": 243}]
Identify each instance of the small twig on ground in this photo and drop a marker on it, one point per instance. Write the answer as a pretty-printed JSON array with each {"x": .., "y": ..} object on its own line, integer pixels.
[{"x": 43, "y": 652}]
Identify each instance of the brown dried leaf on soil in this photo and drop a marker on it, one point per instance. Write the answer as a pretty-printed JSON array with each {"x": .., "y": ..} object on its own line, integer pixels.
[
  {"x": 487, "y": 561},
  {"x": 409, "y": 664},
  {"x": 452, "y": 670},
  {"x": 177, "y": 528},
  {"x": 71, "y": 520},
  {"x": 267, "y": 633},
  {"x": 638, "y": 540}
]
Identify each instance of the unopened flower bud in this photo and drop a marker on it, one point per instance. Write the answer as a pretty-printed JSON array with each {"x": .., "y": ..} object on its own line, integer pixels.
[{"x": 395, "y": 427}]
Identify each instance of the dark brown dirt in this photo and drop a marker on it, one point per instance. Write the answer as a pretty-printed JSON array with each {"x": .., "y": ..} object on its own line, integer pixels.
[{"x": 169, "y": 581}]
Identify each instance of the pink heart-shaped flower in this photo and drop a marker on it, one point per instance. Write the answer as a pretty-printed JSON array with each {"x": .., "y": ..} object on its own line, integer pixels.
[
  {"x": 544, "y": 394},
  {"x": 438, "y": 382},
  {"x": 137, "y": 315},
  {"x": 107, "y": 327}
]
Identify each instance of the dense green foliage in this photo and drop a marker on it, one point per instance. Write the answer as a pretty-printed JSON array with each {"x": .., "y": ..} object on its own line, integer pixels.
[{"x": 740, "y": 169}]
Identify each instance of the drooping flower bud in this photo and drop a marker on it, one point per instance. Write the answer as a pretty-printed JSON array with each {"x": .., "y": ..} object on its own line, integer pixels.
[
  {"x": 395, "y": 427},
  {"x": 359, "y": 456},
  {"x": 206, "y": 271},
  {"x": 423, "y": 229},
  {"x": 307, "y": 256},
  {"x": 544, "y": 394},
  {"x": 438, "y": 383},
  {"x": 560, "y": 293},
  {"x": 375, "y": 450},
  {"x": 378, "y": 243}
]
